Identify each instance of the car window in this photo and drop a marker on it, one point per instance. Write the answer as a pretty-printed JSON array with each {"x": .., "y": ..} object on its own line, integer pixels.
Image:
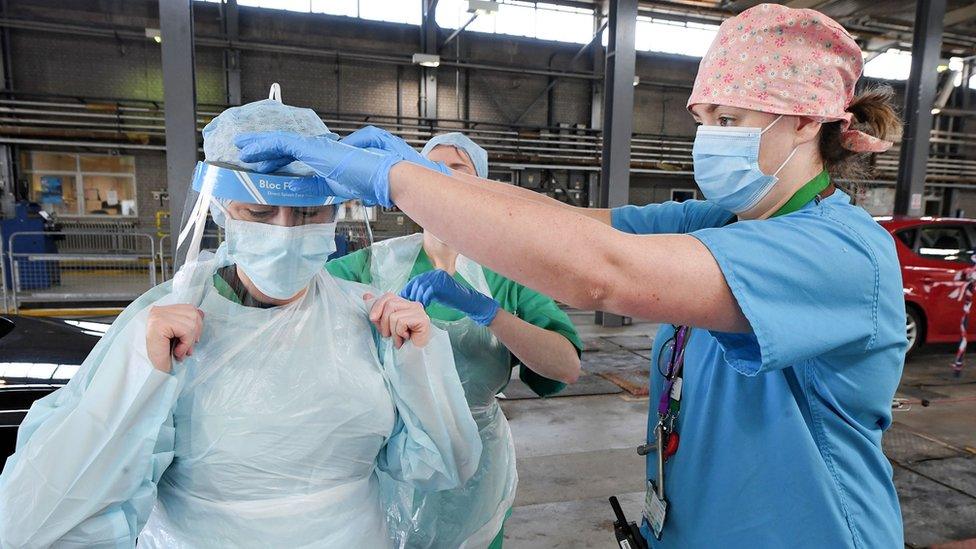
[
  {"x": 907, "y": 236},
  {"x": 945, "y": 243}
]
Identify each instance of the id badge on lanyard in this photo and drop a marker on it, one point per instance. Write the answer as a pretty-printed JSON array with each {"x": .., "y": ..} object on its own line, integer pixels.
[{"x": 665, "y": 433}]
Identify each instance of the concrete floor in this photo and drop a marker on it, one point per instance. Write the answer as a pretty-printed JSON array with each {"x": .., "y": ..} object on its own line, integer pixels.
[{"x": 575, "y": 451}]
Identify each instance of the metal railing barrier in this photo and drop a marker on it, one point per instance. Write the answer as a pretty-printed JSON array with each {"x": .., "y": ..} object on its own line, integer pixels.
[{"x": 40, "y": 272}]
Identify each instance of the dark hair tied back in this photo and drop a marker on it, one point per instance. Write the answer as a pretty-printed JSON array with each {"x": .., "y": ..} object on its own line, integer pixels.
[{"x": 874, "y": 115}]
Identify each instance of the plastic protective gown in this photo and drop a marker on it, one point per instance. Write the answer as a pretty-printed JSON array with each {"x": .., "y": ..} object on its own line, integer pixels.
[
  {"x": 270, "y": 435},
  {"x": 472, "y": 515}
]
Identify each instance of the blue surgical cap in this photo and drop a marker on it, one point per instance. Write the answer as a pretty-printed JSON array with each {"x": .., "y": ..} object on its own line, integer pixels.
[
  {"x": 259, "y": 116},
  {"x": 478, "y": 156}
]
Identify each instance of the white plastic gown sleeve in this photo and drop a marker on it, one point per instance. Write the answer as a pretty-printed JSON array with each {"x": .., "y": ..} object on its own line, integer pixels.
[
  {"x": 435, "y": 444},
  {"x": 470, "y": 516},
  {"x": 89, "y": 455}
]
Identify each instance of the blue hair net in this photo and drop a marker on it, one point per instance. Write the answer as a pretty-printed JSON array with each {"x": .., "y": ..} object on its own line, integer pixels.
[
  {"x": 259, "y": 116},
  {"x": 478, "y": 156},
  {"x": 265, "y": 115}
]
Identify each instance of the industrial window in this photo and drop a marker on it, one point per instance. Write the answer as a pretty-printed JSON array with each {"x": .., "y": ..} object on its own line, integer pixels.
[
  {"x": 895, "y": 64},
  {"x": 289, "y": 5},
  {"x": 394, "y": 11},
  {"x": 682, "y": 38},
  {"x": 72, "y": 184},
  {"x": 540, "y": 20},
  {"x": 349, "y": 8}
]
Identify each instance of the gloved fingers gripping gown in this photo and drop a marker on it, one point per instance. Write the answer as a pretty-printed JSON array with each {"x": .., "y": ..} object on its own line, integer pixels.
[
  {"x": 429, "y": 450},
  {"x": 279, "y": 431},
  {"x": 471, "y": 515}
]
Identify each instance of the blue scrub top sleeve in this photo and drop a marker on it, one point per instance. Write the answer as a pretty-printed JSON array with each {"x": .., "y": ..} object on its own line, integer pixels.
[
  {"x": 668, "y": 217},
  {"x": 435, "y": 444},
  {"x": 806, "y": 282},
  {"x": 90, "y": 454}
]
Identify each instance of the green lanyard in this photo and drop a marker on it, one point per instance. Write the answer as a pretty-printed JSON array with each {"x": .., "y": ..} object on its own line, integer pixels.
[
  {"x": 806, "y": 193},
  {"x": 670, "y": 404}
]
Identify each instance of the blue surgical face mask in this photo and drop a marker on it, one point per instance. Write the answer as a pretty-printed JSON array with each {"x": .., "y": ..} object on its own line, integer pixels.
[
  {"x": 280, "y": 261},
  {"x": 727, "y": 166}
]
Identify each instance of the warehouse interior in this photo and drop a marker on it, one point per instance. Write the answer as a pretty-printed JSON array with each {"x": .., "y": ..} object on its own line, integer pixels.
[{"x": 102, "y": 103}]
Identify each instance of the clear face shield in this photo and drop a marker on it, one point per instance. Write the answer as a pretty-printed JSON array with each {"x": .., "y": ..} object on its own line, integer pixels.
[
  {"x": 276, "y": 230},
  {"x": 354, "y": 230}
]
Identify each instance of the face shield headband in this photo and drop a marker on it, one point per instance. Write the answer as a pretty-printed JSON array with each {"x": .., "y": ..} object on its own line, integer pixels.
[{"x": 213, "y": 180}]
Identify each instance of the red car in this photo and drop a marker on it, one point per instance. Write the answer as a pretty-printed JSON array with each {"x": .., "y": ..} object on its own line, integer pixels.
[{"x": 934, "y": 253}]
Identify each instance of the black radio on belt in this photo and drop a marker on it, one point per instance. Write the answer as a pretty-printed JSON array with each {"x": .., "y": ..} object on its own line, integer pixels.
[{"x": 627, "y": 533}]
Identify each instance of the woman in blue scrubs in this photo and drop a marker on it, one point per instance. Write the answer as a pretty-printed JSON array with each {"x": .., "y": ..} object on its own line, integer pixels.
[{"x": 782, "y": 301}]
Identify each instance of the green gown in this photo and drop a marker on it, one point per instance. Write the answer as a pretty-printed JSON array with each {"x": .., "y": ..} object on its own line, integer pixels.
[{"x": 473, "y": 515}]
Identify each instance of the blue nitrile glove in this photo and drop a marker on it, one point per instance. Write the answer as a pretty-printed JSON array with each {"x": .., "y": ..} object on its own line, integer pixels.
[
  {"x": 371, "y": 137},
  {"x": 441, "y": 287},
  {"x": 349, "y": 172}
]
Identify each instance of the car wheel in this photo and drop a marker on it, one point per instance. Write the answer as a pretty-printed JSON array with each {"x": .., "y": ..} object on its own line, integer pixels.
[{"x": 913, "y": 329}]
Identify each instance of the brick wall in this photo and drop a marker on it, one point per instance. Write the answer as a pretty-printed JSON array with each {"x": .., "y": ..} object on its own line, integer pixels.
[{"x": 84, "y": 66}]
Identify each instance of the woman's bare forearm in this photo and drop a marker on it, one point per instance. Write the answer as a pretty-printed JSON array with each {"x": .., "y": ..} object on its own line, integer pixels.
[
  {"x": 571, "y": 257},
  {"x": 545, "y": 352},
  {"x": 600, "y": 214}
]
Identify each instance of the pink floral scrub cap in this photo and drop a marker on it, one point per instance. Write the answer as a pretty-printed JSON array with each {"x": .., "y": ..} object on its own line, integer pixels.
[{"x": 780, "y": 60}]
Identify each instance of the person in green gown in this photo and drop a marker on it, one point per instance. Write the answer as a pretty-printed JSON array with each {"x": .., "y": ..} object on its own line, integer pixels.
[{"x": 494, "y": 324}]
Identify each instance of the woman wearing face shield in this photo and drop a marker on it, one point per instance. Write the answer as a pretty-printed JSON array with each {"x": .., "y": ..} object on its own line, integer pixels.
[
  {"x": 494, "y": 324},
  {"x": 253, "y": 400},
  {"x": 783, "y": 339}
]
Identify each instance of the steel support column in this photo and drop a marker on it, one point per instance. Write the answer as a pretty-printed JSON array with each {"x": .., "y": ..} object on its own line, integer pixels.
[
  {"x": 966, "y": 94},
  {"x": 232, "y": 56},
  {"x": 8, "y": 184},
  {"x": 6, "y": 70},
  {"x": 950, "y": 202},
  {"x": 598, "y": 58},
  {"x": 967, "y": 74},
  {"x": 179, "y": 95},
  {"x": 919, "y": 97},
  {"x": 618, "y": 112},
  {"x": 428, "y": 75}
]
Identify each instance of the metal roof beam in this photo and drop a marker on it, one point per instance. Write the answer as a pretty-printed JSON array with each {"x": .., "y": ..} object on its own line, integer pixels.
[{"x": 959, "y": 15}]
